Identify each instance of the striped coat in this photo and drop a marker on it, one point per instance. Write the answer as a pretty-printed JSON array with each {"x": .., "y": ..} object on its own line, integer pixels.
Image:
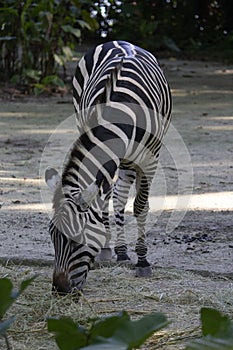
[{"x": 123, "y": 105}]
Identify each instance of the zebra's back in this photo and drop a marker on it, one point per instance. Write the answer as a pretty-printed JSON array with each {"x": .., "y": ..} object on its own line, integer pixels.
[{"x": 140, "y": 79}]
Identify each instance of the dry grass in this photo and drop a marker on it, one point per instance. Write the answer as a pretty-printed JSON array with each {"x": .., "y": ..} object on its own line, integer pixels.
[{"x": 178, "y": 294}]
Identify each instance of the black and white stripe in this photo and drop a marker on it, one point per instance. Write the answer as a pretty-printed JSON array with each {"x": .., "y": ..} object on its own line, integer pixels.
[{"x": 123, "y": 104}]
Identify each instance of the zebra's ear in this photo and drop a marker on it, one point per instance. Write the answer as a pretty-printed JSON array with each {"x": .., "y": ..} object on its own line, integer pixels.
[
  {"x": 52, "y": 178},
  {"x": 84, "y": 198}
]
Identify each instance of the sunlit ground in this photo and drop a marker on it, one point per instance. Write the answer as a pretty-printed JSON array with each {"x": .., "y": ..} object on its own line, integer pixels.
[{"x": 204, "y": 201}]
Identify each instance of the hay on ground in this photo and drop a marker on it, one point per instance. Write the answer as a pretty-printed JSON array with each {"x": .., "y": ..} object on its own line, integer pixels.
[{"x": 109, "y": 290}]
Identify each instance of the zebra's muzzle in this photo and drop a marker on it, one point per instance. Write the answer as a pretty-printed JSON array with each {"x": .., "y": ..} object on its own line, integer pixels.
[{"x": 61, "y": 284}]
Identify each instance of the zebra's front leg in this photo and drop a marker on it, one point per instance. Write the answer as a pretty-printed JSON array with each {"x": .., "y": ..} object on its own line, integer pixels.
[
  {"x": 141, "y": 208},
  {"x": 120, "y": 196}
]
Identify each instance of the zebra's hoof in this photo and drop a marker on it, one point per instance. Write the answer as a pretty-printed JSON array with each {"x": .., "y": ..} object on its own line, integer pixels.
[
  {"x": 124, "y": 258},
  {"x": 105, "y": 254},
  {"x": 145, "y": 271}
]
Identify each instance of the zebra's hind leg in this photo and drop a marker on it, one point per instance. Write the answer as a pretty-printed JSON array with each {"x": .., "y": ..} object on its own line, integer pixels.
[
  {"x": 120, "y": 196},
  {"x": 141, "y": 208},
  {"x": 106, "y": 252}
]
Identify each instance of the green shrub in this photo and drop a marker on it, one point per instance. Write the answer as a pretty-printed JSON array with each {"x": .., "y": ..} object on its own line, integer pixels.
[{"x": 37, "y": 36}]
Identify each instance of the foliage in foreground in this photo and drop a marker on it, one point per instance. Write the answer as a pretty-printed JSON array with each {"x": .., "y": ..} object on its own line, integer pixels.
[
  {"x": 115, "y": 333},
  {"x": 217, "y": 330},
  {"x": 8, "y": 296},
  {"x": 120, "y": 333}
]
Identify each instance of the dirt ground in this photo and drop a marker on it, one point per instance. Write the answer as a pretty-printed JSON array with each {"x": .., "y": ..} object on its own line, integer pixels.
[{"x": 190, "y": 223}]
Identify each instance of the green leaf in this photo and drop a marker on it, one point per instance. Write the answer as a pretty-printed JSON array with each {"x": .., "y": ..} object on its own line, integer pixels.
[
  {"x": 210, "y": 343},
  {"x": 75, "y": 31},
  {"x": 67, "y": 52},
  {"x": 32, "y": 74},
  {"x": 214, "y": 323},
  {"x": 16, "y": 293},
  {"x": 53, "y": 80},
  {"x": 15, "y": 79},
  {"x": 90, "y": 20},
  {"x": 8, "y": 11},
  {"x": 6, "y": 299},
  {"x": 4, "y": 325},
  {"x": 107, "y": 326},
  {"x": 217, "y": 330},
  {"x": 68, "y": 336},
  {"x": 84, "y": 24},
  {"x": 8, "y": 295},
  {"x": 60, "y": 59},
  {"x": 26, "y": 283},
  {"x": 134, "y": 333},
  {"x": 39, "y": 88}
]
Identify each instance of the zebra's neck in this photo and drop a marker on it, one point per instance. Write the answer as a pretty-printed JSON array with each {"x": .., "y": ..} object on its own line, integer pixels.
[
  {"x": 75, "y": 177},
  {"x": 92, "y": 159}
]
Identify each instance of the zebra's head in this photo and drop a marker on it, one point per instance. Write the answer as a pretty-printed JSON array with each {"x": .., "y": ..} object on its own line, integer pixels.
[{"x": 73, "y": 253}]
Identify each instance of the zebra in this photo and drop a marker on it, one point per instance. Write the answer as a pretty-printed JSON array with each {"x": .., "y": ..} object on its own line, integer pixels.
[{"x": 122, "y": 104}]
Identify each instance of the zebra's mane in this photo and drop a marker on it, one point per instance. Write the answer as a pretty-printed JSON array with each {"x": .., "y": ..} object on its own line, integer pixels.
[
  {"x": 58, "y": 197},
  {"x": 63, "y": 189}
]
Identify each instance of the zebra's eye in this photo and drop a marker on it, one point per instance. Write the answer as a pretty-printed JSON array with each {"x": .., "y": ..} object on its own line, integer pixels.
[
  {"x": 73, "y": 246},
  {"x": 83, "y": 208},
  {"x": 74, "y": 206}
]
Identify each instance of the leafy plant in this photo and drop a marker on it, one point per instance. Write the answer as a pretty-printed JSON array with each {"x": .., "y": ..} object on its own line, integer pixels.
[
  {"x": 115, "y": 332},
  {"x": 37, "y": 36},
  {"x": 8, "y": 296},
  {"x": 217, "y": 330},
  {"x": 48, "y": 84},
  {"x": 175, "y": 25}
]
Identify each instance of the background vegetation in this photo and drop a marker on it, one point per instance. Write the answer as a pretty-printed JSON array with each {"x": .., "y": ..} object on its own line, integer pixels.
[
  {"x": 36, "y": 37},
  {"x": 186, "y": 26}
]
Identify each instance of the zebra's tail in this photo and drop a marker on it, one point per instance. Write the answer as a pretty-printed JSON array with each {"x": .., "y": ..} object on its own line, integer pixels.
[
  {"x": 112, "y": 80},
  {"x": 110, "y": 83}
]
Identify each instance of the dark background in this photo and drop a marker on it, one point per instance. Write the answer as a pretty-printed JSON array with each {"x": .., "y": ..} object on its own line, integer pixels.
[{"x": 38, "y": 38}]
